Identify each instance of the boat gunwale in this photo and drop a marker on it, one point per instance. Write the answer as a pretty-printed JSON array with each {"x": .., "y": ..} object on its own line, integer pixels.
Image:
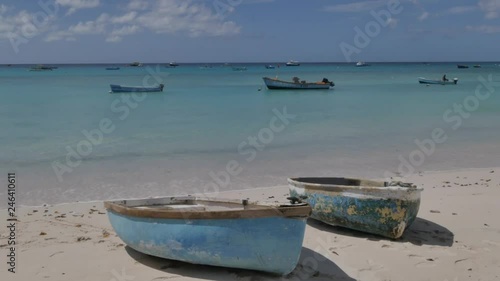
[
  {"x": 363, "y": 185},
  {"x": 249, "y": 210}
]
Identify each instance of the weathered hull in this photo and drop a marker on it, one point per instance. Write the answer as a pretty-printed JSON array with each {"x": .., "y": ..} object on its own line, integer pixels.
[
  {"x": 385, "y": 211},
  {"x": 270, "y": 244},
  {"x": 273, "y": 84},
  {"x": 126, "y": 89}
]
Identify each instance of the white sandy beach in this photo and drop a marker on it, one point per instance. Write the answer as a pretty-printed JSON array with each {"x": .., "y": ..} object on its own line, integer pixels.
[{"x": 455, "y": 237}]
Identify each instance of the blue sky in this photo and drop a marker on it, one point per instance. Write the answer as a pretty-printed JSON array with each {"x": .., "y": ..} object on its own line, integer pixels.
[{"x": 91, "y": 31}]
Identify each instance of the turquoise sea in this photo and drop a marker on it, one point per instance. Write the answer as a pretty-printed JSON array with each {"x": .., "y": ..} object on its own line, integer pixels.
[{"x": 212, "y": 129}]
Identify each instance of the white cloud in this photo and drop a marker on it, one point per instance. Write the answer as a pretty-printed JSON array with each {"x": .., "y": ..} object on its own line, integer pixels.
[
  {"x": 423, "y": 16},
  {"x": 194, "y": 19},
  {"x": 75, "y": 5},
  {"x": 126, "y": 18},
  {"x": 491, "y": 8},
  {"x": 355, "y": 7},
  {"x": 138, "y": 5},
  {"x": 117, "y": 34},
  {"x": 190, "y": 17},
  {"x": 489, "y": 29},
  {"x": 3, "y": 9},
  {"x": 461, "y": 10},
  {"x": 59, "y": 35},
  {"x": 88, "y": 27},
  {"x": 23, "y": 25}
]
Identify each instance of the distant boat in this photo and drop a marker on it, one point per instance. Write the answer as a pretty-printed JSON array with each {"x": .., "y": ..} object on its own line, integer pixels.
[
  {"x": 239, "y": 68},
  {"x": 292, "y": 63},
  {"x": 112, "y": 68},
  {"x": 206, "y": 66},
  {"x": 361, "y": 64},
  {"x": 477, "y": 66},
  {"x": 382, "y": 208},
  {"x": 42, "y": 67},
  {"x": 270, "y": 66},
  {"x": 275, "y": 84},
  {"x": 423, "y": 80},
  {"x": 462, "y": 66},
  {"x": 173, "y": 64},
  {"x": 136, "y": 64},
  {"x": 229, "y": 233},
  {"x": 133, "y": 89}
]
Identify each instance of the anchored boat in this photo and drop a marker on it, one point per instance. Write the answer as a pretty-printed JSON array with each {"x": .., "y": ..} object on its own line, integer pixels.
[
  {"x": 381, "y": 208},
  {"x": 275, "y": 84},
  {"x": 133, "y": 89},
  {"x": 228, "y": 233},
  {"x": 423, "y": 80},
  {"x": 361, "y": 64},
  {"x": 292, "y": 63}
]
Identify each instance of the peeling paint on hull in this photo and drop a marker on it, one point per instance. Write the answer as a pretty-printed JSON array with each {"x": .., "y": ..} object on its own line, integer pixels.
[
  {"x": 269, "y": 244},
  {"x": 385, "y": 211}
]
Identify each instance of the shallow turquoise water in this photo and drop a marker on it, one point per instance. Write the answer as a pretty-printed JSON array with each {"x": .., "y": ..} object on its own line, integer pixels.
[{"x": 171, "y": 142}]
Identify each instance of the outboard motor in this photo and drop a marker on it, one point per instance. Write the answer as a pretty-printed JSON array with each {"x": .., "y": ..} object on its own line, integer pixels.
[{"x": 326, "y": 81}]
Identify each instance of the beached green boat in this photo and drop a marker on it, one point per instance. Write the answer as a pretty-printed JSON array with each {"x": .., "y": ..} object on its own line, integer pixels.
[{"x": 381, "y": 208}]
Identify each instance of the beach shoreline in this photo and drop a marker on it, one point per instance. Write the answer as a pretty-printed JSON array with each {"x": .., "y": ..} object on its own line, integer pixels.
[{"x": 455, "y": 237}]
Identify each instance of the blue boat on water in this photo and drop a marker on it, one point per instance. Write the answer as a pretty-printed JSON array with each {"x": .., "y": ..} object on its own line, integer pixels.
[
  {"x": 382, "y": 208},
  {"x": 227, "y": 233},
  {"x": 112, "y": 68},
  {"x": 134, "y": 89}
]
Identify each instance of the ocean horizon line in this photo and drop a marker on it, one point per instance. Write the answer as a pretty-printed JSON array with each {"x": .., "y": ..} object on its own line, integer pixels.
[{"x": 236, "y": 62}]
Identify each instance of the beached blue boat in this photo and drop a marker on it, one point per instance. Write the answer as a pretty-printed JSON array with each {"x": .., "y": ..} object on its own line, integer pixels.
[
  {"x": 135, "y": 89},
  {"x": 423, "y": 80},
  {"x": 275, "y": 84},
  {"x": 381, "y": 208},
  {"x": 227, "y": 233}
]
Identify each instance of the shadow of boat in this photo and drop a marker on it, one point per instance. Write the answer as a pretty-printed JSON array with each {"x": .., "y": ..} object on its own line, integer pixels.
[
  {"x": 421, "y": 232},
  {"x": 311, "y": 265}
]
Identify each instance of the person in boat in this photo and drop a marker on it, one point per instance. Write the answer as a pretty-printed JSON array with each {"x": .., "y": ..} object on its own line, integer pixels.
[{"x": 444, "y": 78}]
